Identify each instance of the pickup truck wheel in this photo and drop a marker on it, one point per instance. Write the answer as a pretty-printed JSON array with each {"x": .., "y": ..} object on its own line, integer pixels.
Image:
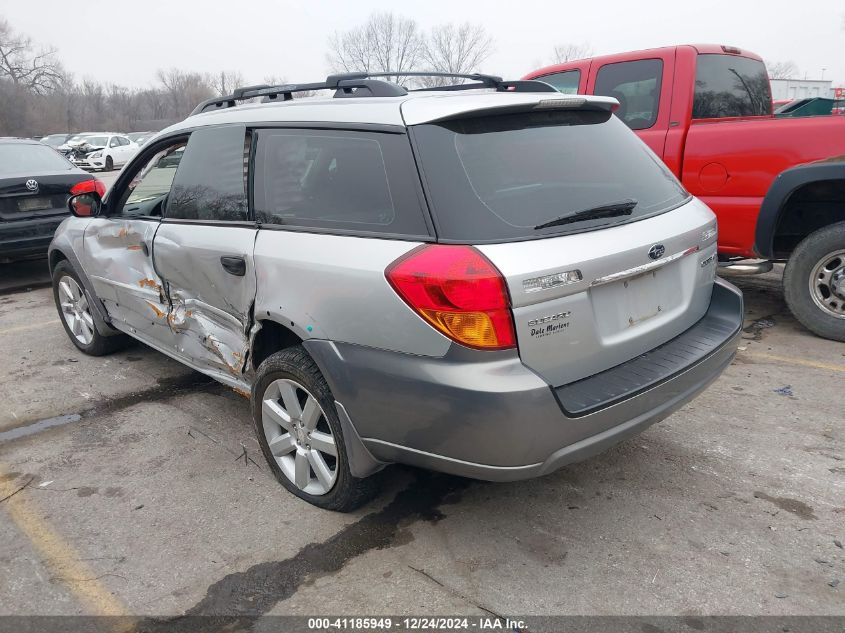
[
  {"x": 814, "y": 282},
  {"x": 299, "y": 432},
  {"x": 74, "y": 305}
]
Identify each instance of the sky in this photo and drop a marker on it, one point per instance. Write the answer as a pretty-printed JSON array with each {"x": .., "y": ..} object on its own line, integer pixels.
[{"x": 126, "y": 41}]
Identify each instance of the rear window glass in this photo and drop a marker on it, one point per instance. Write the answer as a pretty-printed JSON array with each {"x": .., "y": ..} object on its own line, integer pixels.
[
  {"x": 565, "y": 82},
  {"x": 496, "y": 178},
  {"x": 210, "y": 180},
  {"x": 729, "y": 85},
  {"x": 335, "y": 179},
  {"x": 16, "y": 158}
]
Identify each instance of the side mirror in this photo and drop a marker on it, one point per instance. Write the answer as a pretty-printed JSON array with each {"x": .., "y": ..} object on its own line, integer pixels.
[{"x": 85, "y": 205}]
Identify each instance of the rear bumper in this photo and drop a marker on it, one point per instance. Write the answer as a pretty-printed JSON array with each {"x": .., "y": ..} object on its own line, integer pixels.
[
  {"x": 26, "y": 238},
  {"x": 497, "y": 420}
]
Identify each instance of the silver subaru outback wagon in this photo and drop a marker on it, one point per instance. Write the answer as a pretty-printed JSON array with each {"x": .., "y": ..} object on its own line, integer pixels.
[{"x": 489, "y": 279}]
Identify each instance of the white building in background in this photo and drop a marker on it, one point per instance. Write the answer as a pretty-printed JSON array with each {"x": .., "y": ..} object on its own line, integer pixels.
[{"x": 801, "y": 88}]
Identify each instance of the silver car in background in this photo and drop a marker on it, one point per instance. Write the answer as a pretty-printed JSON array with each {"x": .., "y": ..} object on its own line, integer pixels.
[{"x": 491, "y": 283}]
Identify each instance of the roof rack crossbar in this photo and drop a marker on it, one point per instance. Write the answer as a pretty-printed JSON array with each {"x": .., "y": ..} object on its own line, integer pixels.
[{"x": 367, "y": 84}]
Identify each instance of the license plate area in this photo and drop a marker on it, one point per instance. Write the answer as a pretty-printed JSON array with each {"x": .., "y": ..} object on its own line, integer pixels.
[
  {"x": 34, "y": 204},
  {"x": 622, "y": 306},
  {"x": 643, "y": 297}
]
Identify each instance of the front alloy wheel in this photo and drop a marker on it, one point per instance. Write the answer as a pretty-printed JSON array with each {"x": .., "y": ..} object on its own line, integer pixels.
[
  {"x": 75, "y": 310},
  {"x": 299, "y": 436}
]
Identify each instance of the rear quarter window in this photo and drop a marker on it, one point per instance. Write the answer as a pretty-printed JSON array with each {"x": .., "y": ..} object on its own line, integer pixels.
[{"x": 337, "y": 180}]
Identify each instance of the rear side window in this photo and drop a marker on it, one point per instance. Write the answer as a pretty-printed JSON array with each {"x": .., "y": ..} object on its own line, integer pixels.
[
  {"x": 210, "y": 181},
  {"x": 565, "y": 82},
  {"x": 335, "y": 179},
  {"x": 497, "y": 178},
  {"x": 636, "y": 85},
  {"x": 729, "y": 86}
]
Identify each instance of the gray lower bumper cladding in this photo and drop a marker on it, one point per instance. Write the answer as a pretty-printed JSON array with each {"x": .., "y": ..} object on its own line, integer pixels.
[{"x": 496, "y": 420}]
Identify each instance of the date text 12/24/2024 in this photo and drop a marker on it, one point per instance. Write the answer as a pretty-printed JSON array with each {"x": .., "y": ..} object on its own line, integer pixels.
[{"x": 415, "y": 624}]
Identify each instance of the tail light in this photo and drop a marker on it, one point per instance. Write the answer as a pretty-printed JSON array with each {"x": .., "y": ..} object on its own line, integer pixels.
[
  {"x": 88, "y": 186},
  {"x": 459, "y": 292}
]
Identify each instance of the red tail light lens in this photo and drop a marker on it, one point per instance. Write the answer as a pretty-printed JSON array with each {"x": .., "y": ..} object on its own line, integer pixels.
[
  {"x": 459, "y": 292},
  {"x": 88, "y": 186}
]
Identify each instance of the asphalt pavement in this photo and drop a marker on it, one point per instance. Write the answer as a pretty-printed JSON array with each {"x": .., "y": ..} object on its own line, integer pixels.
[{"x": 130, "y": 484}]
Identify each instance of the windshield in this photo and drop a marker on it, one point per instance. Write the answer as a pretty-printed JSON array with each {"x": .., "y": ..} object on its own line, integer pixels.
[
  {"x": 497, "y": 178},
  {"x": 16, "y": 158},
  {"x": 96, "y": 141}
]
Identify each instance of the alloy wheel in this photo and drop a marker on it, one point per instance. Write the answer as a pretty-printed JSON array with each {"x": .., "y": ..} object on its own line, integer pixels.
[
  {"x": 299, "y": 436},
  {"x": 75, "y": 310}
]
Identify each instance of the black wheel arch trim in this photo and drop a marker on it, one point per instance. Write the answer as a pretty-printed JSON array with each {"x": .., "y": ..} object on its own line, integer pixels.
[
  {"x": 102, "y": 321},
  {"x": 779, "y": 193}
]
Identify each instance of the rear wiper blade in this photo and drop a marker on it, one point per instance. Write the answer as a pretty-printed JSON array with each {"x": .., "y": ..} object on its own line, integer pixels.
[{"x": 610, "y": 210}]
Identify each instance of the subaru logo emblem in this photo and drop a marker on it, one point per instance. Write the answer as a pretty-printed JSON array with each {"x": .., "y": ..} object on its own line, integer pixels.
[
  {"x": 656, "y": 251},
  {"x": 32, "y": 184}
]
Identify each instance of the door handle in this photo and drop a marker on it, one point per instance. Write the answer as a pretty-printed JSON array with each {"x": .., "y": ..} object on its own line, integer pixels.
[{"x": 234, "y": 265}]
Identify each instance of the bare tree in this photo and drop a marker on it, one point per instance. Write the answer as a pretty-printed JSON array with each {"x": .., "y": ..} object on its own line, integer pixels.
[
  {"x": 568, "y": 52},
  {"x": 184, "y": 90},
  {"x": 385, "y": 43},
  {"x": 225, "y": 82},
  {"x": 35, "y": 70},
  {"x": 782, "y": 70},
  {"x": 452, "y": 48}
]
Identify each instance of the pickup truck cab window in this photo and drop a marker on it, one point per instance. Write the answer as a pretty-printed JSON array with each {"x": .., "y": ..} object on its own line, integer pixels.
[
  {"x": 730, "y": 86},
  {"x": 565, "y": 82},
  {"x": 636, "y": 85}
]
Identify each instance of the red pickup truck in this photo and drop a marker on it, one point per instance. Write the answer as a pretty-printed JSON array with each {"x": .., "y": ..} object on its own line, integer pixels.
[{"x": 777, "y": 185}]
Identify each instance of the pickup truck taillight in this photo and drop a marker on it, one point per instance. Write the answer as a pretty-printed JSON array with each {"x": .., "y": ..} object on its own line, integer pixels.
[{"x": 459, "y": 292}]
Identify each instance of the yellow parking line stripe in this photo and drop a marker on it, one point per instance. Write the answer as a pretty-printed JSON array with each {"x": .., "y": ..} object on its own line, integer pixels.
[
  {"x": 798, "y": 361},
  {"x": 24, "y": 328},
  {"x": 57, "y": 554}
]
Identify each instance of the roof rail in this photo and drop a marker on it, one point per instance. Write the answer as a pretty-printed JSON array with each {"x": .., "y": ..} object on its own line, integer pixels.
[
  {"x": 363, "y": 84},
  {"x": 343, "y": 84}
]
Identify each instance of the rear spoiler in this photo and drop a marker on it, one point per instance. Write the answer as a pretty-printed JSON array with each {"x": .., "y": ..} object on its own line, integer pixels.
[{"x": 420, "y": 111}]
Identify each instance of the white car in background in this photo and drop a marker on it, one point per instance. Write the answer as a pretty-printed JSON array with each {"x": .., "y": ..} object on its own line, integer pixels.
[{"x": 102, "y": 151}]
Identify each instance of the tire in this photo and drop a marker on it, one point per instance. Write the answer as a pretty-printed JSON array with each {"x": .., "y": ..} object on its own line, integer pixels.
[
  {"x": 817, "y": 268},
  {"x": 109, "y": 164},
  {"x": 291, "y": 368},
  {"x": 87, "y": 339}
]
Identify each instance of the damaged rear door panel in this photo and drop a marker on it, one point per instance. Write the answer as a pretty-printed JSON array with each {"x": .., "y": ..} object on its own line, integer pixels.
[
  {"x": 209, "y": 306},
  {"x": 204, "y": 253}
]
